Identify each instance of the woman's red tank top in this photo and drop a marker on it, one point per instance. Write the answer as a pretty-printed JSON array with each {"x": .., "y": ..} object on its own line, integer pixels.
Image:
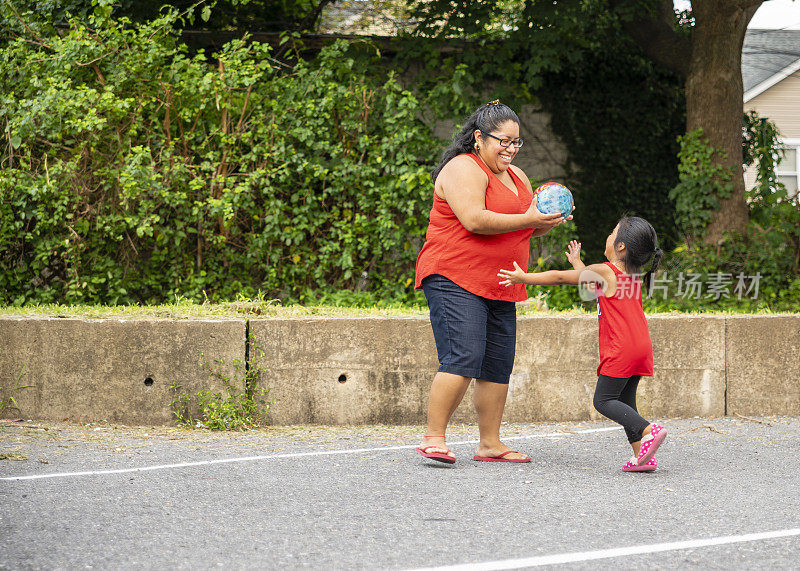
[
  {"x": 472, "y": 260},
  {"x": 625, "y": 346}
]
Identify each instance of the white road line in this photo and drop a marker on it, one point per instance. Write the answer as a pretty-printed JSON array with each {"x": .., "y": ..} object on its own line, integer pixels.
[
  {"x": 562, "y": 558},
  {"x": 277, "y": 456}
]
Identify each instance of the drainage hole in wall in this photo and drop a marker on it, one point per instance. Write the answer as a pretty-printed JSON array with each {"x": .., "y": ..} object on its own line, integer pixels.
[
  {"x": 148, "y": 382},
  {"x": 342, "y": 378}
]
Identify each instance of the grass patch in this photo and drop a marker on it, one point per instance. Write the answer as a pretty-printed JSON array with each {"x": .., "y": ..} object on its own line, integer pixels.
[
  {"x": 189, "y": 310},
  {"x": 273, "y": 309}
]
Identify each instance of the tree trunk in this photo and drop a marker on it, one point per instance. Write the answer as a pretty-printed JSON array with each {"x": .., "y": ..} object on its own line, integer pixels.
[
  {"x": 712, "y": 65},
  {"x": 714, "y": 95}
]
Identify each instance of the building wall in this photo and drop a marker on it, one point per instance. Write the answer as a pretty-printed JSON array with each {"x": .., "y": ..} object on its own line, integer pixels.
[
  {"x": 543, "y": 157},
  {"x": 781, "y": 104}
]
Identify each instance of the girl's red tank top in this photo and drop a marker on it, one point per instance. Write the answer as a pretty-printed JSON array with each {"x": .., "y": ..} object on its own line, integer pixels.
[
  {"x": 625, "y": 346},
  {"x": 472, "y": 260}
]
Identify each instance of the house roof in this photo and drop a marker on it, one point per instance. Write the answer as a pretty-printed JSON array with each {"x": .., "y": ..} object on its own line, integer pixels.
[{"x": 768, "y": 56}]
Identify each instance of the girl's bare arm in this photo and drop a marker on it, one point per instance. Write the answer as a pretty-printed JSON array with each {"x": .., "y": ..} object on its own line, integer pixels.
[{"x": 596, "y": 273}]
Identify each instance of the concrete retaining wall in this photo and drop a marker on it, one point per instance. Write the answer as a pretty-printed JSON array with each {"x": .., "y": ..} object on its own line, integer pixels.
[
  {"x": 763, "y": 364},
  {"x": 356, "y": 371},
  {"x": 113, "y": 369},
  {"x": 346, "y": 371},
  {"x": 378, "y": 370}
]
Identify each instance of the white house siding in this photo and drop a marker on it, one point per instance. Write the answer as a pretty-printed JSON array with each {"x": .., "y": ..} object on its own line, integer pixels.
[{"x": 781, "y": 104}]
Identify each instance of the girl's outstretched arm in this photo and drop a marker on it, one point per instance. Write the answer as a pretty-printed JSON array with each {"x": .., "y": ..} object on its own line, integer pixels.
[
  {"x": 550, "y": 277},
  {"x": 600, "y": 274}
]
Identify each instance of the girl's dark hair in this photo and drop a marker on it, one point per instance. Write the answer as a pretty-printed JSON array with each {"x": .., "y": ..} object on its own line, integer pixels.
[
  {"x": 487, "y": 118},
  {"x": 641, "y": 243}
]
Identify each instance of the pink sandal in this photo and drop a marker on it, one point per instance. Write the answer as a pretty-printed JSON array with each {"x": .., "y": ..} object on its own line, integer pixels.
[
  {"x": 650, "y": 444},
  {"x": 632, "y": 466},
  {"x": 438, "y": 456}
]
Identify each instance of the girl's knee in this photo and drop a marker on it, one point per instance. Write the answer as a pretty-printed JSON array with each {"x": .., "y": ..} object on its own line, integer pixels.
[{"x": 599, "y": 403}]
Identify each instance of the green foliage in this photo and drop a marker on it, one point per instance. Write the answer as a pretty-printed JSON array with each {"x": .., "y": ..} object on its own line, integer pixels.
[
  {"x": 761, "y": 148},
  {"x": 365, "y": 299},
  {"x": 135, "y": 173},
  {"x": 755, "y": 271},
  {"x": 758, "y": 271},
  {"x": 232, "y": 410},
  {"x": 620, "y": 117},
  {"x": 219, "y": 15},
  {"x": 235, "y": 409},
  {"x": 535, "y": 37},
  {"x": 7, "y": 400},
  {"x": 548, "y": 253},
  {"x": 702, "y": 180}
]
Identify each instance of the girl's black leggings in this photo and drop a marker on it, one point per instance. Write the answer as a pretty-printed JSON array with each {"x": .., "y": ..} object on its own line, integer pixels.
[{"x": 615, "y": 398}]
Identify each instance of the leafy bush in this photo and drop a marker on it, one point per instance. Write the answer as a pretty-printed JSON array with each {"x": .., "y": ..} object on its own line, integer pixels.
[
  {"x": 135, "y": 172},
  {"x": 547, "y": 253},
  {"x": 701, "y": 181}
]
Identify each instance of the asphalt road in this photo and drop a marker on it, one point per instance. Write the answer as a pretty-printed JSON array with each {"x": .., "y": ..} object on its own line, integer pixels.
[{"x": 360, "y": 498}]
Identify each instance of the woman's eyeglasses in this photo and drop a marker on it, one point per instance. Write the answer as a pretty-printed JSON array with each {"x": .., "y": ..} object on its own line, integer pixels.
[{"x": 506, "y": 142}]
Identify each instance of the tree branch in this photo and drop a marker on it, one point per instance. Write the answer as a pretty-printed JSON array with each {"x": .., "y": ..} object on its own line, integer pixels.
[
  {"x": 656, "y": 35},
  {"x": 37, "y": 39}
]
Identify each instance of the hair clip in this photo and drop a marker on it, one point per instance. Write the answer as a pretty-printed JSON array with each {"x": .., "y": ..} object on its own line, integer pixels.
[{"x": 495, "y": 102}]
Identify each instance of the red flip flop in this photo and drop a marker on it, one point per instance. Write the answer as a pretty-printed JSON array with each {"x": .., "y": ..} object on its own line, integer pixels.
[
  {"x": 438, "y": 456},
  {"x": 502, "y": 457}
]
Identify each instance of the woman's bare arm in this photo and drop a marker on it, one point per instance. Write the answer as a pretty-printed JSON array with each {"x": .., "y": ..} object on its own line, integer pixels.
[{"x": 462, "y": 183}]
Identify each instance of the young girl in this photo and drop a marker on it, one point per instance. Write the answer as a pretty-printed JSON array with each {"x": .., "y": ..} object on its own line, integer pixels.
[{"x": 626, "y": 353}]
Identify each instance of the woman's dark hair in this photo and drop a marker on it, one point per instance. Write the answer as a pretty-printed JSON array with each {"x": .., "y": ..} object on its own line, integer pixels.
[
  {"x": 487, "y": 118},
  {"x": 641, "y": 243}
]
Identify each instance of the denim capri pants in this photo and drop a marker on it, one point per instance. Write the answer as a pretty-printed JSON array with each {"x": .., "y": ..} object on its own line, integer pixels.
[{"x": 475, "y": 336}]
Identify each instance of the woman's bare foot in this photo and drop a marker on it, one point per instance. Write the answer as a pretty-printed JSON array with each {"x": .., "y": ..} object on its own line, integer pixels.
[
  {"x": 486, "y": 451},
  {"x": 436, "y": 445}
]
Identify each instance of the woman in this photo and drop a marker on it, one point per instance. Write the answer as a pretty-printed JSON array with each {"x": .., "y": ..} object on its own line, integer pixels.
[{"x": 483, "y": 217}]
